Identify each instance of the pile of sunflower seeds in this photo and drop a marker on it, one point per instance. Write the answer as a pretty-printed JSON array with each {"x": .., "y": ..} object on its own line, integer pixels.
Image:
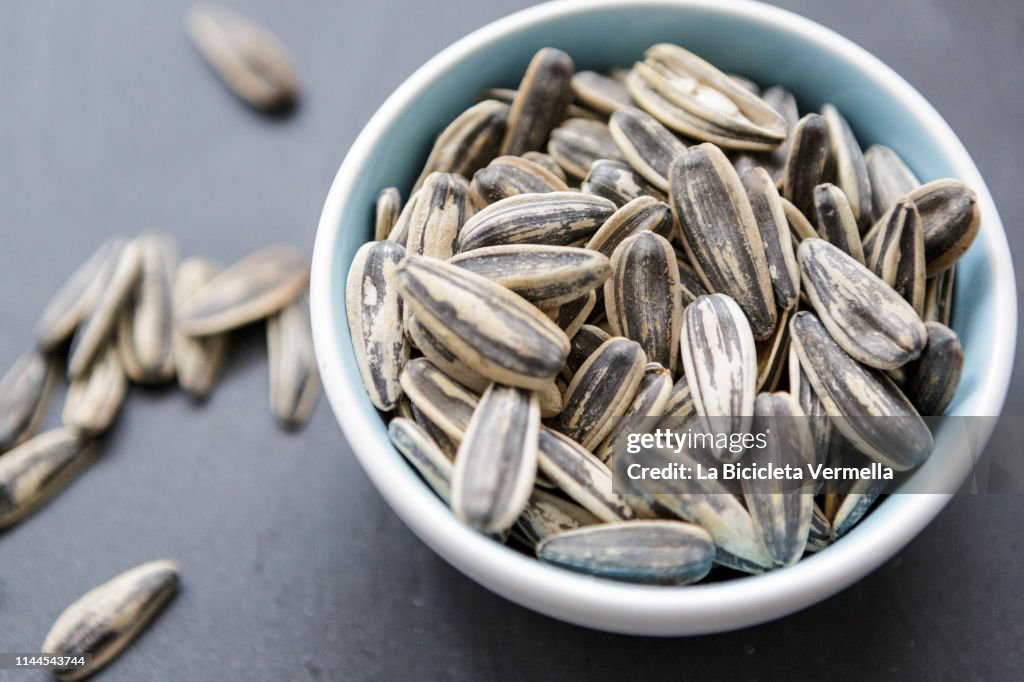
[{"x": 668, "y": 241}]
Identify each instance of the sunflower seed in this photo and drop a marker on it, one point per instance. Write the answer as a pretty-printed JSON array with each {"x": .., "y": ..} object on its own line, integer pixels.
[
  {"x": 856, "y": 504},
  {"x": 938, "y": 305},
  {"x": 76, "y": 297},
  {"x": 866, "y": 317},
  {"x": 646, "y": 145},
  {"x": 603, "y": 387},
  {"x": 770, "y": 217},
  {"x": 579, "y": 142},
  {"x": 600, "y": 92},
  {"x": 444, "y": 359},
  {"x": 883, "y": 256},
  {"x": 555, "y": 218},
  {"x": 720, "y": 362},
  {"x": 547, "y": 276},
  {"x": 197, "y": 359},
  {"x": 810, "y": 162},
  {"x": 782, "y": 517},
  {"x": 294, "y": 378},
  {"x": 540, "y": 103},
  {"x": 253, "y": 288},
  {"x": 904, "y": 270},
  {"x": 772, "y": 355},
  {"x": 644, "y": 270},
  {"x": 389, "y": 206},
  {"x": 866, "y": 406},
  {"x": 690, "y": 284},
  {"x": 642, "y": 213},
  {"x": 94, "y": 399},
  {"x": 508, "y": 176},
  {"x": 800, "y": 227},
  {"x": 440, "y": 438},
  {"x": 497, "y": 460},
  {"x": 496, "y": 333},
  {"x": 424, "y": 454},
  {"x": 889, "y": 177},
  {"x": 469, "y": 142},
  {"x": 933, "y": 378},
  {"x": 820, "y": 534},
  {"x": 617, "y": 182},
  {"x": 836, "y": 222},
  {"x": 145, "y": 333},
  {"x": 106, "y": 619},
  {"x": 680, "y": 400},
  {"x": 24, "y": 394},
  {"x": 692, "y": 97},
  {"x": 439, "y": 214},
  {"x": 34, "y": 471},
  {"x": 720, "y": 233},
  {"x": 546, "y": 162},
  {"x": 774, "y": 161},
  {"x": 811, "y": 406},
  {"x": 442, "y": 400},
  {"x": 547, "y": 514},
  {"x": 851, "y": 172},
  {"x": 571, "y": 316},
  {"x": 247, "y": 57},
  {"x": 400, "y": 231},
  {"x": 650, "y": 400},
  {"x": 581, "y": 476},
  {"x": 583, "y": 344},
  {"x": 652, "y": 552},
  {"x": 98, "y": 326},
  {"x": 375, "y": 312}
]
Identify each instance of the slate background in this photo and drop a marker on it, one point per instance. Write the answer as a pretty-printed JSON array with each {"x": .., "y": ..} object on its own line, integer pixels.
[{"x": 294, "y": 568}]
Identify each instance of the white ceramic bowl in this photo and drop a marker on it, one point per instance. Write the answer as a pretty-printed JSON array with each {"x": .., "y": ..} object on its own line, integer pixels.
[{"x": 772, "y": 46}]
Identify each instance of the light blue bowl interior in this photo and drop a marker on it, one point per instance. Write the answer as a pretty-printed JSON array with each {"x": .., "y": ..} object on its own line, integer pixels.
[{"x": 608, "y": 37}]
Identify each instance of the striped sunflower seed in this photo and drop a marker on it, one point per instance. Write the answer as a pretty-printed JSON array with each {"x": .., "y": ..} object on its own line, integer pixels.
[
  {"x": 581, "y": 476},
  {"x": 650, "y": 400},
  {"x": 547, "y": 276},
  {"x": 690, "y": 284},
  {"x": 642, "y": 213},
  {"x": 810, "y": 162},
  {"x": 444, "y": 359},
  {"x": 680, "y": 400},
  {"x": 508, "y": 176},
  {"x": 579, "y": 142},
  {"x": 772, "y": 355},
  {"x": 76, "y": 297},
  {"x": 649, "y": 147},
  {"x": 938, "y": 305},
  {"x": 255, "y": 287},
  {"x": 900, "y": 258},
  {"x": 864, "y": 315},
  {"x": 24, "y": 394},
  {"x": 389, "y": 206},
  {"x": 294, "y": 378},
  {"x": 247, "y": 57},
  {"x": 440, "y": 438},
  {"x": 571, "y": 316},
  {"x": 770, "y": 217},
  {"x": 555, "y": 218},
  {"x": 837, "y": 223},
  {"x": 496, "y": 464},
  {"x": 811, "y": 406},
  {"x": 145, "y": 332},
  {"x": 774, "y": 161},
  {"x": 782, "y": 517},
  {"x": 400, "y": 232},
  {"x": 800, "y": 227},
  {"x": 424, "y": 454},
  {"x": 94, "y": 399},
  {"x": 375, "y": 312},
  {"x": 36, "y": 470},
  {"x": 469, "y": 142},
  {"x": 617, "y": 182},
  {"x": 441, "y": 399},
  {"x": 856, "y": 504},
  {"x": 720, "y": 362},
  {"x": 105, "y": 620},
  {"x": 820, "y": 534},
  {"x": 496, "y": 333},
  {"x": 437, "y": 218},
  {"x": 546, "y": 162},
  {"x": 582, "y": 345},
  {"x": 713, "y": 210},
  {"x": 851, "y": 171},
  {"x": 867, "y": 407},
  {"x": 889, "y": 177},
  {"x": 547, "y": 514},
  {"x": 650, "y": 552},
  {"x": 600, "y": 92},
  {"x": 98, "y": 326},
  {"x": 692, "y": 97},
  {"x": 198, "y": 360},
  {"x": 603, "y": 388},
  {"x": 540, "y": 103},
  {"x": 644, "y": 270},
  {"x": 933, "y": 378}
]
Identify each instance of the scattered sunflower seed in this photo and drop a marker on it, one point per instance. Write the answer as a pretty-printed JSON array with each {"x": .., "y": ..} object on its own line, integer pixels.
[
  {"x": 197, "y": 359},
  {"x": 294, "y": 379},
  {"x": 94, "y": 399},
  {"x": 145, "y": 334},
  {"x": 24, "y": 394}
]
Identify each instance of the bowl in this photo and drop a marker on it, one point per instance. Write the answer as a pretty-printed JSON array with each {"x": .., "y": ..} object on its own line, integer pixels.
[{"x": 771, "y": 46}]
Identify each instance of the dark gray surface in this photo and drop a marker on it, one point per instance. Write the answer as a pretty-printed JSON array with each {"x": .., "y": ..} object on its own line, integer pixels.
[{"x": 293, "y": 566}]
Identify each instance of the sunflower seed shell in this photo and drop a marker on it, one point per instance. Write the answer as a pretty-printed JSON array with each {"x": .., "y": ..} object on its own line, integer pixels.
[
  {"x": 294, "y": 377},
  {"x": 145, "y": 333},
  {"x": 424, "y": 454},
  {"x": 24, "y": 394},
  {"x": 540, "y": 103},
  {"x": 469, "y": 142},
  {"x": 770, "y": 216},
  {"x": 581, "y": 476},
  {"x": 94, "y": 399},
  {"x": 198, "y": 360},
  {"x": 933, "y": 378}
]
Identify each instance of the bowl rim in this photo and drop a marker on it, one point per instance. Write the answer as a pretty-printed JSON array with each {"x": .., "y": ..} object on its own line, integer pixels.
[{"x": 621, "y": 607}]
